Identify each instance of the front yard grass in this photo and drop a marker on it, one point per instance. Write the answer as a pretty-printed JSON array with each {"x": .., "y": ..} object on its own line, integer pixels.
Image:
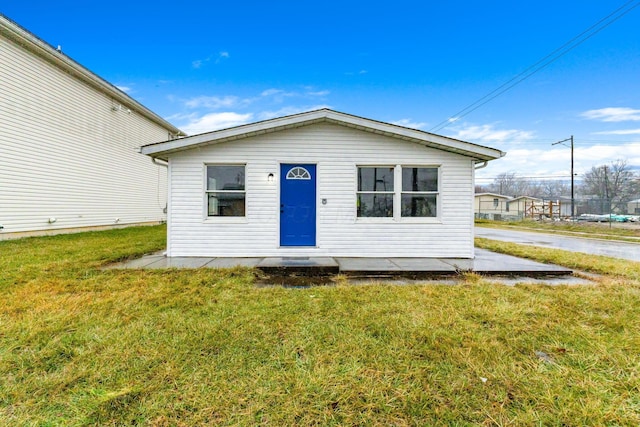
[{"x": 84, "y": 346}]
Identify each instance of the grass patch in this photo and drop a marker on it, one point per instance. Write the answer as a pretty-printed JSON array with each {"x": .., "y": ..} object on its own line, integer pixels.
[
  {"x": 83, "y": 346},
  {"x": 618, "y": 231}
]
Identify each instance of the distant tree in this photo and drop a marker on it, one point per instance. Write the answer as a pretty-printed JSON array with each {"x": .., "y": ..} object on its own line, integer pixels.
[
  {"x": 480, "y": 189},
  {"x": 550, "y": 189},
  {"x": 510, "y": 184},
  {"x": 614, "y": 184}
]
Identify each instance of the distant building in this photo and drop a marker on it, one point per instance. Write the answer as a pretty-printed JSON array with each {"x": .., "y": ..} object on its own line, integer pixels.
[
  {"x": 68, "y": 144},
  {"x": 633, "y": 207},
  {"x": 488, "y": 205}
]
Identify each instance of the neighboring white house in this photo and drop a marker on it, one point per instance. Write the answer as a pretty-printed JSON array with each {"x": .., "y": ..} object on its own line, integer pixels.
[
  {"x": 68, "y": 144},
  {"x": 321, "y": 183},
  {"x": 491, "y": 204},
  {"x": 633, "y": 207}
]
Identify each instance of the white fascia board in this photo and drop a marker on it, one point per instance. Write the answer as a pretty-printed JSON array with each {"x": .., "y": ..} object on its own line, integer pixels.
[
  {"x": 527, "y": 197},
  {"x": 481, "y": 153},
  {"x": 502, "y": 196}
]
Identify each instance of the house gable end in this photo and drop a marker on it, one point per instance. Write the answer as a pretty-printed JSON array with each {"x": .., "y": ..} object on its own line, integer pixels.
[{"x": 479, "y": 153}]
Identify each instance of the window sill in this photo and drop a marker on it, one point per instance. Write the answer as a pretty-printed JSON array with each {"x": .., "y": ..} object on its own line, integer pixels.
[
  {"x": 407, "y": 220},
  {"x": 225, "y": 220}
]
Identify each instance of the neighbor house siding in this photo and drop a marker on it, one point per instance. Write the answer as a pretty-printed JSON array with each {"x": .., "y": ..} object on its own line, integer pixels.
[
  {"x": 337, "y": 151},
  {"x": 485, "y": 204},
  {"x": 65, "y": 154}
]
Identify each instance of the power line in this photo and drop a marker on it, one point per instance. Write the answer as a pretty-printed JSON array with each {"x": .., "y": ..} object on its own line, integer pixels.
[
  {"x": 526, "y": 177},
  {"x": 530, "y": 142},
  {"x": 541, "y": 64}
]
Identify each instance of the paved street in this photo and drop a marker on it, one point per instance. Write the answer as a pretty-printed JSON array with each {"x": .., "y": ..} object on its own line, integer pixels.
[{"x": 630, "y": 251}]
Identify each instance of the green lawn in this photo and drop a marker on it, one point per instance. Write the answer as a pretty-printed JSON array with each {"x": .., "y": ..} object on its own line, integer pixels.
[{"x": 83, "y": 346}]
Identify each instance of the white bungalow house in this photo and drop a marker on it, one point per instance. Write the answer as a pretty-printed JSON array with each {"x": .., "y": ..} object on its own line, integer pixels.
[
  {"x": 68, "y": 144},
  {"x": 488, "y": 205},
  {"x": 320, "y": 183}
]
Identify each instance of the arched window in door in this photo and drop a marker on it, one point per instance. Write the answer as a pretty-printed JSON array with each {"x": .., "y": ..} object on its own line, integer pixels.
[{"x": 298, "y": 173}]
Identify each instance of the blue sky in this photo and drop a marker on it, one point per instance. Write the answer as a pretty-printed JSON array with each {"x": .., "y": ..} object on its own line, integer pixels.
[{"x": 204, "y": 65}]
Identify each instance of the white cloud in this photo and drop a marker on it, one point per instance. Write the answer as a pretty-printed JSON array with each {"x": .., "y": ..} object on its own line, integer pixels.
[
  {"x": 221, "y": 56},
  {"x": 409, "y": 124},
  {"x": 600, "y": 154},
  {"x": 351, "y": 73},
  {"x": 278, "y": 95},
  {"x": 205, "y": 113},
  {"x": 546, "y": 162},
  {"x": 213, "y": 121},
  {"x": 287, "y": 111},
  {"x": 318, "y": 93},
  {"x": 271, "y": 92},
  {"x": 620, "y": 132},
  {"x": 125, "y": 89},
  {"x": 613, "y": 114},
  {"x": 487, "y": 133},
  {"x": 215, "y": 102}
]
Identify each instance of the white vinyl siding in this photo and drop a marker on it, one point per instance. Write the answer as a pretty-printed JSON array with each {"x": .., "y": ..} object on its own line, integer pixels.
[
  {"x": 337, "y": 151},
  {"x": 66, "y": 154}
]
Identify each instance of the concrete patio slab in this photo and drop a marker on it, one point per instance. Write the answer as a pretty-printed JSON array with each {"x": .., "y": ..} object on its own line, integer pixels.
[
  {"x": 485, "y": 263},
  {"x": 143, "y": 262},
  {"x": 423, "y": 264},
  {"x": 233, "y": 262},
  {"x": 460, "y": 264},
  {"x": 179, "y": 262},
  {"x": 367, "y": 265}
]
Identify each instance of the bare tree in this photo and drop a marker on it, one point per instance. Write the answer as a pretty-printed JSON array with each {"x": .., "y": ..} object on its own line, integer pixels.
[
  {"x": 550, "y": 189},
  {"x": 614, "y": 184},
  {"x": 480, "y": 189},
  {"x": 509, "y": 184}
]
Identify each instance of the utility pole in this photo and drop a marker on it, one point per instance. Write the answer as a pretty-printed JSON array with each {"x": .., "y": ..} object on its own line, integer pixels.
[
  {"x": 606, "y": 192},
  {"x": 573, "y": 200}
]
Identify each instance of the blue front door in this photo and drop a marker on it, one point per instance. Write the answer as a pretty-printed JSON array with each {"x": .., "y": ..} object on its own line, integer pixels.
[{"x": 297, "y": 205}]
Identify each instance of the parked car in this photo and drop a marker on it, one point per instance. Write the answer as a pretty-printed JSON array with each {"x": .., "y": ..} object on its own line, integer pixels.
[{"x": 603, "y": 218}]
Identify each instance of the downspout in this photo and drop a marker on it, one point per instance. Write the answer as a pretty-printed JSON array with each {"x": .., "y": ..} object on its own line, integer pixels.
[
  {"x": 165, "y": 164},
  {"x": 483, "y": 165}
]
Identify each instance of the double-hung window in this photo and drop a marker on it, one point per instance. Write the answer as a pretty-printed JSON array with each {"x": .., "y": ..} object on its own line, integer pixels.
[
  {"x": 419, "y": 192},
  {"x": 375, "y": 191},
  {"x": 225, "y": 190},
  {"x": 415, "y": 197}
]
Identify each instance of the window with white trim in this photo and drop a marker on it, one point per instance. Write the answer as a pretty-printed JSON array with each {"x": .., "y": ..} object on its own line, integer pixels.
[
  {"x": 225, "y": 190},
  {"x": 419, "y": 192},
  {"x": 375, "y": 191},
  {"x": 416, "y": 196}
]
